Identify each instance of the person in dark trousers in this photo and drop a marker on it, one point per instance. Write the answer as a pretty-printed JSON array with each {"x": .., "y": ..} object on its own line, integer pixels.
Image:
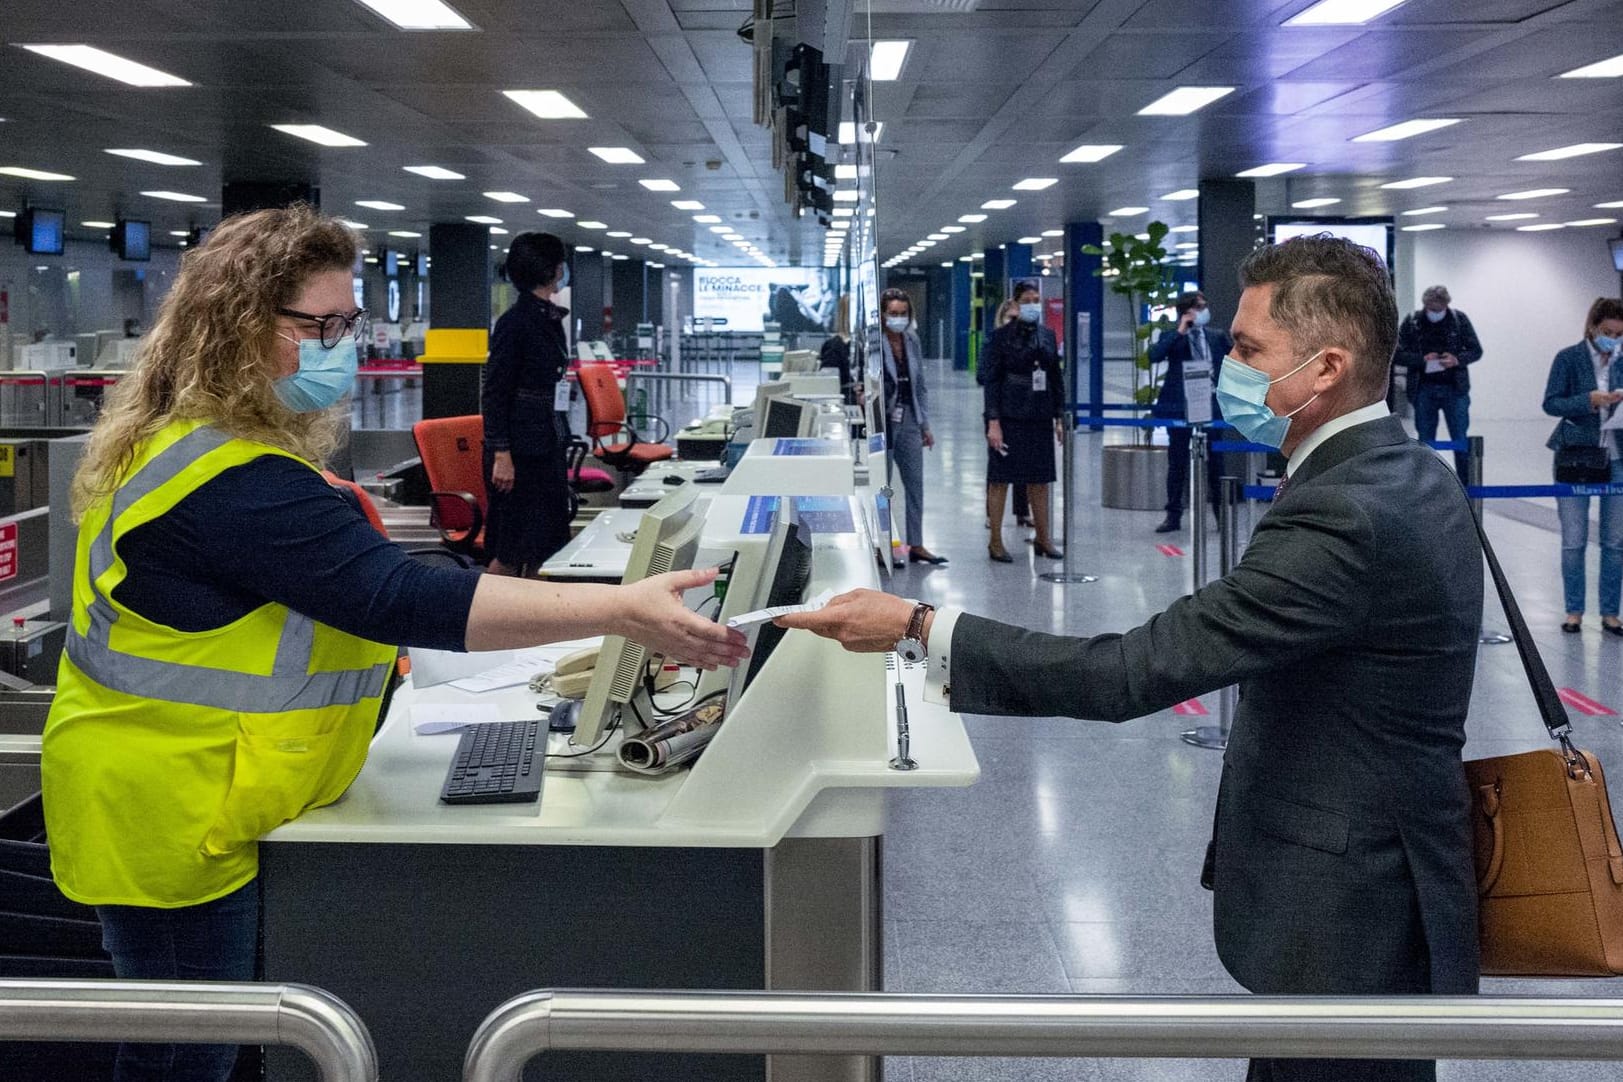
[
  {"x": 526, "y": 442},
  {"x": 1341, "y": 858},
  {"x": 1437, "y": 344},
  {"x": 1025, "y": 409},
  {"x": 835, "y": 353},
  {"x": 1191, "y": 340},
  {"x": 898, "y": 354}
]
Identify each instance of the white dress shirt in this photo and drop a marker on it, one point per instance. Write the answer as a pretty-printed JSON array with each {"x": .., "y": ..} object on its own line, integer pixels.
[{"x": 938, "y": 665}]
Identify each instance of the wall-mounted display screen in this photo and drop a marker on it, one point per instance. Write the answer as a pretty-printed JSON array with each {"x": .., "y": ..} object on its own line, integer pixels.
[
  {"x": 132, "y": 240},
  {"x": 1373, "y": 233},
  {"x": 1617, "y": 254},
  {"x": 391, "y": 262},
  {"x": 797, "y": 299},
  {"x": 41, "y": 231}
]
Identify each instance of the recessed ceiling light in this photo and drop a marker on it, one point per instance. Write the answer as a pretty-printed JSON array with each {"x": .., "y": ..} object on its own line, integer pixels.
[
  {"x": 1415, "y": 182},
  {"x": 952, "y": 229},
  {"x": 1341, "y": 12},
  {"x": 707, "y": 219},
  {"x": 1423, "y": 210},
  {"x": 1406, "y": 130},
  {"x": 584, "y": 248},
  {"x": 31, "y": 174},
  {"x": 642, "y": 240},
  {"x": 1272, "y": 169},
  {"x": 156, "y": 157},
  {"x": 844, "y": 212},
  {"x": 1423, "y": 227},
  {"x": 1542, "y": 228},
  {"x": 1029, "y": 240},
  {"x": 885, "y": 60},
  {"x": 1535, "y": 193},
  {"x": 1576, "y": 150},
  {"x": 660, "y": 185},
  {"x": 320, "y": 134},
  {"x": 840, "y": 223},
  {"x": 1609, "y": 206},
  {"x": 434, "y": 172},
  {"x": 1309, "y": 204},
  {"x": 496, "y": 231},
  {"x": 1522, "y": 216},
  {"x": 618, "y": 233},
  {"x": 1035, "y": 184},
  {"x": 1177, "y": 229},
  {"x": 592, "y": 225},
  {"x": 617, "y": 155},
  {"x": 1182, "y": 194},
  {"x": 998, "y": 204},
  {"x": 1185, "y": 100},
  {"x": 937, "y": 236},
  {"x": 546, "y": 104},
  {"x": 176, "y": 197},
  {"x": 507, "y": 197},
  {"x": 109, "y": 225},
  {"x": 972, "y": 218},
  {"x": 419, "y": 14},
  {"x": 483, "y": 219},
  {"x": 406, "y": 233},
  {"x": 105, "y": 63},
  {"x": 378, "y": 204},
  {"x": 660, "y": 247},
  {"x": 1603, "y": 69},
  {"x": 721, "y": 229},
  {"x": 1593, "y": 221},
  {"x": 619, "y": 258},
  {"x": 1187, "y": 246},
  {"x": 554, "y": 212},
  {"x": 1091, "y": 152},
  {"x": 687, "y": 204},
  {"x": 847, "y": 195},
  {"x": 1128, "y": 212},
  {"x": 348, "y": 222},
  {"x": 172, "y": 232},
  {"x": 8, "y": 214},
  {"x": 845, "y": 172},
  {"x": 848, "y": 133}
]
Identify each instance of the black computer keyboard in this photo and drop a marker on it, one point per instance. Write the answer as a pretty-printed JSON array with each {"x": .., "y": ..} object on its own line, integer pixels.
[{"x": 496, "y": 763}]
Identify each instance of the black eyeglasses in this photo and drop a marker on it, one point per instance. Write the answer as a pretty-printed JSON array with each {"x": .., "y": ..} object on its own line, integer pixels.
[{"x": 334, "y": 325}]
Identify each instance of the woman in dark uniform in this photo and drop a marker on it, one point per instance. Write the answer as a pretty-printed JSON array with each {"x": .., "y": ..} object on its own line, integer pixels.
[
  {"x": 526, "y": 443},
  {"x": 1025, "y": 407}
]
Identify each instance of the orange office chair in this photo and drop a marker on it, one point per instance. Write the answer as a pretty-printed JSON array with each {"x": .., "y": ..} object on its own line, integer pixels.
[
  {"x": 358, "y": 499},
  {"x": 606, "y": 420},
  {"x": 453, "y": 454}
]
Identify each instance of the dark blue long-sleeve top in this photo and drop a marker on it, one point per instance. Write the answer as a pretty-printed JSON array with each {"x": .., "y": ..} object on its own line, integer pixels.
[{"x": 274, "y": 530}]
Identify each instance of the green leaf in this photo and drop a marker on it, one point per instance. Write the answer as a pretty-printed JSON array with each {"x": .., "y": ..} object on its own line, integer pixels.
[
  {"x": 1092, "y": 249},
  {"x": 1156, "y": 230}
]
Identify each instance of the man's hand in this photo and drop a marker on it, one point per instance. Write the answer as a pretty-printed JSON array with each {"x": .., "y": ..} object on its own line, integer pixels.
[
  {"x": 862, "y": 621},
  {"x": 1448, "y": 359},
  {"x": 929, "y": 439},
  {"x": 651, "y": 612},
  {"x": 994, "y": 437},
  {"x": 1186, "y": 321},
  {"x": 501, "y": 472},
  {"x": 1433, "y": 357},
  {"x": 1601, "y": 399}
]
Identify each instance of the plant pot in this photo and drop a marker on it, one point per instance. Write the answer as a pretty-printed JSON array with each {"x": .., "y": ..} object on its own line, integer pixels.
[{"x": 1134, "y": 477}]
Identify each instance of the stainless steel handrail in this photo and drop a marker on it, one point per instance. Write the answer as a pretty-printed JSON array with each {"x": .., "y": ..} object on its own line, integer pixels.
[
  {"x": 639, "y": 376},
  {"x": 317, "y": 1023},
  {"x": 1215, "y": 1027}
]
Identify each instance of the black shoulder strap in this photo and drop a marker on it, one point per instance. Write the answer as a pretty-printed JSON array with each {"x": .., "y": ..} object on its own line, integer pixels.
[{"x": 1550, "y": 707}]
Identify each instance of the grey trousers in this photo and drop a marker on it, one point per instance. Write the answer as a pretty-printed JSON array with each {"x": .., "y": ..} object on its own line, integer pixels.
[{"x": 907, "y": 452}]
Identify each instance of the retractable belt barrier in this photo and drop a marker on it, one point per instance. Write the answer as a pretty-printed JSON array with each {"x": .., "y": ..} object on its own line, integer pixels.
[{"x": 1489, "y": 492}]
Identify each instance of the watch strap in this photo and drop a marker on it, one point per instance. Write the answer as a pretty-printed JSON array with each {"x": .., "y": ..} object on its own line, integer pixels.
[{"x": 915, "y": 622}]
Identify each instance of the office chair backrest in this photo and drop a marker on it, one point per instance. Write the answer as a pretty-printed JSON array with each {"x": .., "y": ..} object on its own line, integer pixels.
[
  {"x": 605, "y": 405},
  {"x": 453, "y": 453},
  {"x": 357, "y": 497}
]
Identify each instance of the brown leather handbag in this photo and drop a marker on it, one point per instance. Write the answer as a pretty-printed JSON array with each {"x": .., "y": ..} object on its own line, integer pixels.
[{"x": 1548, "y": 861}]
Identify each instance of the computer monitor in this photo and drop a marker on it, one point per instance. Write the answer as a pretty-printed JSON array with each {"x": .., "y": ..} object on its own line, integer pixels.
[
  {"x": 132, "y": 240},
  {"x": 389, "y": 260},
  {"x": 801, "y": 361},
  {"x": 41, "y": 231},
  {"x": 787, "y": 418},
  {"x": 667, "y": 538},
  {"x": 1616, "y": 244}
]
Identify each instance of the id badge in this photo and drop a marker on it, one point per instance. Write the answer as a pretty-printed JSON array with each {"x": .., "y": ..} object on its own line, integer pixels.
[
  {"x": 1039, "y": 380},
  {"x": 560, "y": 396},
  {"x": 896, "y": 415}
]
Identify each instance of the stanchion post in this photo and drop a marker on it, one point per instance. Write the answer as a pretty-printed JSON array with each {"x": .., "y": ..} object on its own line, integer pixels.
[
  {"x": 1067, "y": 494},
  {"x": 1216, "y": 737},
  {"x": 1197, "y": 502},
  {"x": 1473, "y": 478}
]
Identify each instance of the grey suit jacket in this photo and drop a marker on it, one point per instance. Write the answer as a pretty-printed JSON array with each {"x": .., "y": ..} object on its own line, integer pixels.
[
  {"x": 880, "y": 358},
  {"x": 1341, "y": 857}
]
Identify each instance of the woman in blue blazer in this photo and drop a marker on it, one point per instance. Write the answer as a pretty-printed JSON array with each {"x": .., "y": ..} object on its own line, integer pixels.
[{"x": 1574, "y": 394}]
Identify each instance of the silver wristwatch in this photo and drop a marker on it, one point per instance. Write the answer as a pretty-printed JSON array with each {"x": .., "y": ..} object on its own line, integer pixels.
[{"x": 911, "y": 646}]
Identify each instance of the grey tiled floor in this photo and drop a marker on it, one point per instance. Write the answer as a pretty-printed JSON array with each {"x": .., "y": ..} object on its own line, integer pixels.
[{"x": 1073, "y": 864}]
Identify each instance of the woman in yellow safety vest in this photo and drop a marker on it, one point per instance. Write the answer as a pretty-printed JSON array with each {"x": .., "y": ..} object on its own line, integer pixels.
[{"x": 235, "y": 621}]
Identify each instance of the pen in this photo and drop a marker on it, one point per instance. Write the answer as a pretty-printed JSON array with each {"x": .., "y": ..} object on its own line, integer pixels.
[{"x": 904, "y": 738}]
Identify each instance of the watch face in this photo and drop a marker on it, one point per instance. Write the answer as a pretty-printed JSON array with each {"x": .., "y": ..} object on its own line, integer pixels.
[{"x": 910, "y": 650}]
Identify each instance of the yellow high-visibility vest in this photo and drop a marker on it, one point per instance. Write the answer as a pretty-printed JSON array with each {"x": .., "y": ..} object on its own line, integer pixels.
[{"x": 167, "y": 754}]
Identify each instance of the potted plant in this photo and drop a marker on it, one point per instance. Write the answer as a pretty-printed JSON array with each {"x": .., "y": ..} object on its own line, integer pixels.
[{"x": 1135, "y": 472}]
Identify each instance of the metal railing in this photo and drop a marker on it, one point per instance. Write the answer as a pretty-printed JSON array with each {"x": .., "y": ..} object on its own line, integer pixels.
[
  {"x": 295, "y": 1015},
  {"x": 1215, "y": 1027},
  {"x": 657, "y": 388}
]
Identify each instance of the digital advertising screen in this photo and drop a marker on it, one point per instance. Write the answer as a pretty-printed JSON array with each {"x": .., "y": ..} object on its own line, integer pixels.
[
  {"x": 1372, "y": 233},
  {"x": 797, "y": 299}
]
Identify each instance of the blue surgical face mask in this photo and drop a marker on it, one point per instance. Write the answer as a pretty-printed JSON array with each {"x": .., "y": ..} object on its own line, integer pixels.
[
  {"x": 563, "y": 281},
  {"x": 1606, "y": 344},
  {"x": 1203, "y": 316},
  {"x": 1031, "y": 313},
  {"x": 1436, "y": 317},
  {"x": 896, "y": 324},
  {"x": 324, "y": 375},
  {"x": 1242, "y": 392}
]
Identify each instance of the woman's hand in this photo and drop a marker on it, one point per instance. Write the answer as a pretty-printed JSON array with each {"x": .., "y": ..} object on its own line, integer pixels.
[
  {"x": 929, "y": 439},
  {"x": 1059, "y": 431},
  {"x": 651, "y": 612},
  {"x": 1601, "y": 399},
  {"x": 501, "y": 472},
  {"x": 994, "y": 437}
]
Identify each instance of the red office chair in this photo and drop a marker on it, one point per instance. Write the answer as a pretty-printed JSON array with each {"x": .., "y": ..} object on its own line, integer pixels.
[
  {"x": 357, "y": 497},
  {"x": 606, "y": 420},
  {"x": 453, "y": 454}
]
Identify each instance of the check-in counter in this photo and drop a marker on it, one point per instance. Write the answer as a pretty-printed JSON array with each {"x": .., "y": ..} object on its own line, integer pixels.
[
  {"x": 81, "y": 394},
  {"x": 30, "y": 398},
  {"x": 756, "y": 868}
]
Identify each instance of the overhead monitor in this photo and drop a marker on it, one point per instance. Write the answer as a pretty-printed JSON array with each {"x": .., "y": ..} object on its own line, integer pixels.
[
  {"x": 667, "y": 538},
  {"x": 801, "y": 362},
  {"x": 132, "y": 240},
  {"x": 1616, "y": 244},
  {"x": 796, "y": 299},
  {"x": 1373, "y": 233},
  {"x": 41, "y": 231},
  {"x": 787, "y": 418},
  {"x": 389, "y": 260}
]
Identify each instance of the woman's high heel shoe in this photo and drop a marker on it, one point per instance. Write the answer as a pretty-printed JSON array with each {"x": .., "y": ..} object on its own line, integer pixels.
[{"x": 998, "y": 554}]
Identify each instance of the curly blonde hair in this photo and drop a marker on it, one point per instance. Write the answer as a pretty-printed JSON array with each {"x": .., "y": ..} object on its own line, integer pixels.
[{"x": 211, "y": 355}]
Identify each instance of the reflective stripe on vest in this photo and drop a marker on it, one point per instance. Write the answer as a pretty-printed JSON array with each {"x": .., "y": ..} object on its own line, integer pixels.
[{"x": 291, "y": 685}]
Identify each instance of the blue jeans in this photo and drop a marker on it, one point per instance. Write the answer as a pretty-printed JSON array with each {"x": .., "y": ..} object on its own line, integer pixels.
[
  {"x": 215, "y": 941},
  {"x": 1574, "y": 512},
  {"x": 1455, "y": 406}
]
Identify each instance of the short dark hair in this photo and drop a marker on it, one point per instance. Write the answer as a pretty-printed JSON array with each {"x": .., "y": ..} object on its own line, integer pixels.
[
  {"x": 533, "y": 260},
  {"x": 1329, "y": 291},
  {"x": 1188, "y": 300},
  {"x": 1024, "y": 286},
  {"x": 894, "y": 294},
  {"x": 1603, "y": 309}
]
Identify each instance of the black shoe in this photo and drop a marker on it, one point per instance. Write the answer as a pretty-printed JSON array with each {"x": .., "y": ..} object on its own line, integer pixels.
[
  {"x": 1613, "y": 629},
  {"x": 1169, "y": 525},
  {"x": 921, "y": 555},
  {"x": 1049, "y": 551},
  {"x": 998, "y": 555},
  {"x": 1572, "y": 627}
]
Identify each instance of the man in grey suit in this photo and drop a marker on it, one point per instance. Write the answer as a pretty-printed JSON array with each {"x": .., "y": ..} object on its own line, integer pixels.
[{"x": 1341, "y": 854}]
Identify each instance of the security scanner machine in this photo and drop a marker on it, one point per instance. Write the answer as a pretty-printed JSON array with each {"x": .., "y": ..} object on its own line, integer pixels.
[{"x": 726, "y": 834}]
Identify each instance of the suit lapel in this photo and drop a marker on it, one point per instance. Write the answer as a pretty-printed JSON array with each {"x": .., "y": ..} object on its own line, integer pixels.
[{"x": 1385, "y": 432}]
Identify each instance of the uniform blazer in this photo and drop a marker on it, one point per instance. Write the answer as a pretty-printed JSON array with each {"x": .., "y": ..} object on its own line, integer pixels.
[
  {"x": 1566, "y": 395},
  {"x": 881, "y": 359},
  {"x": 1174, "y": 349},
  {"x": 528, "y": 356},
  {"x": 1341, "y": 858},
  {"x": 1013, "y": 352}
]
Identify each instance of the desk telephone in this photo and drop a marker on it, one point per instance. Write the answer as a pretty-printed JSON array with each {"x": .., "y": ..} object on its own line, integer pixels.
[
  {"x": 711, "y": 426},
  {"x": 572, "y": 676}
]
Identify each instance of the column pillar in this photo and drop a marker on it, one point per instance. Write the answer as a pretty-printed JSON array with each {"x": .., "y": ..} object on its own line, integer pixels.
[
  {"x": 630, "y": 295},
  {"x": 244, "y": 196},
  {"x": 1228, "y": 233},
  {"x": 961, "y": 294},
  {"x": 1084, "y": 296},
  {"x": 1017, "y": 260},
  {"x": 586, "y": 294},
  {"x": 459, "y": 279}
]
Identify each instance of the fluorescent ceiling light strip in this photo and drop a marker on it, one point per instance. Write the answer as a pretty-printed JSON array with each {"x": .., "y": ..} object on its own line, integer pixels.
[
  {"x": 1518, "y": 217},
  {"x": 592, "y": 225},
  {"x": 1423, "y": 210},
  {"x": 109, "y": 225},
  {"x": 419, "y": 14},
  {"x": 1408, "y": 129},
  {"x": 617, "y": 155},
  {"x": 483, "y": 219},
  {"x": 546, "y": 104},
  {"x": 31, "y": 174},
  {"x": 972, "y": 218},
  {"x": 1272, "y": 169},
  {"x": 1342, "y": 12},
  {"x": 108, "y": 64},
  {"x": 1035, "y": 184},
  {"x": 660, "y": 185},
  {"x": 353, "y": 224},
  {"x": 1608, "y": 206},
  {"x": 1423, "y": 227},
  {"x": 1611, "y": 68},
  {"x": 687, "y": 204},
  {"x": 1593, "y": 221},
  {"x": 1127, "y": 212},
  {"x": 554, "y": 212},
  {"x": 408, "y": 234},
  {"x": 433, "y": 172},
  {"x": 156, "y": 157},
  {"x": 1535, "y": 193},
  {"x": 507, "y": 197},
  {"x": 1576, "y": 150},
  {"x": 1543, "y": 228},
  {"x": 175, "y": 197},
  {"x": 320, "y": 134},
  {"x": 1185, "y": 100},
  {"x": 378, "y": 204},
  {"x": 1055, "y": 232},
  {"x": 885, "y": 60},
  {"x": 998, "y": 204},
  {"x": 1090, "y": 152},
  {"x": 1415, "y": 182},
  {"x": 1182, "y": 194},
  {"x": 1309, "y": 204}
]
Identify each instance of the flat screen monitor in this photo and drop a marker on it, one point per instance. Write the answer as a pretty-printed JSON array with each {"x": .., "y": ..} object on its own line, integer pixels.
[
  {"x": 789, "y": 575},
  {"x": 389, "y": 260},
  {"x": 1373, "y": 233},
  {"x": 667, "y": 539},
  {"x": 132, "y": 240},
  {"x": 421, "y": 265},
  {"x": 785, "y": 418},
  {"x": 1616, "y": 244},
  {"x": 41, "y": 231}
]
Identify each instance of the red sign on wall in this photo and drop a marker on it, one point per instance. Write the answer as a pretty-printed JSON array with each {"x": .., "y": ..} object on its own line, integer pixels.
[{"x": 8, "y": 551}]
